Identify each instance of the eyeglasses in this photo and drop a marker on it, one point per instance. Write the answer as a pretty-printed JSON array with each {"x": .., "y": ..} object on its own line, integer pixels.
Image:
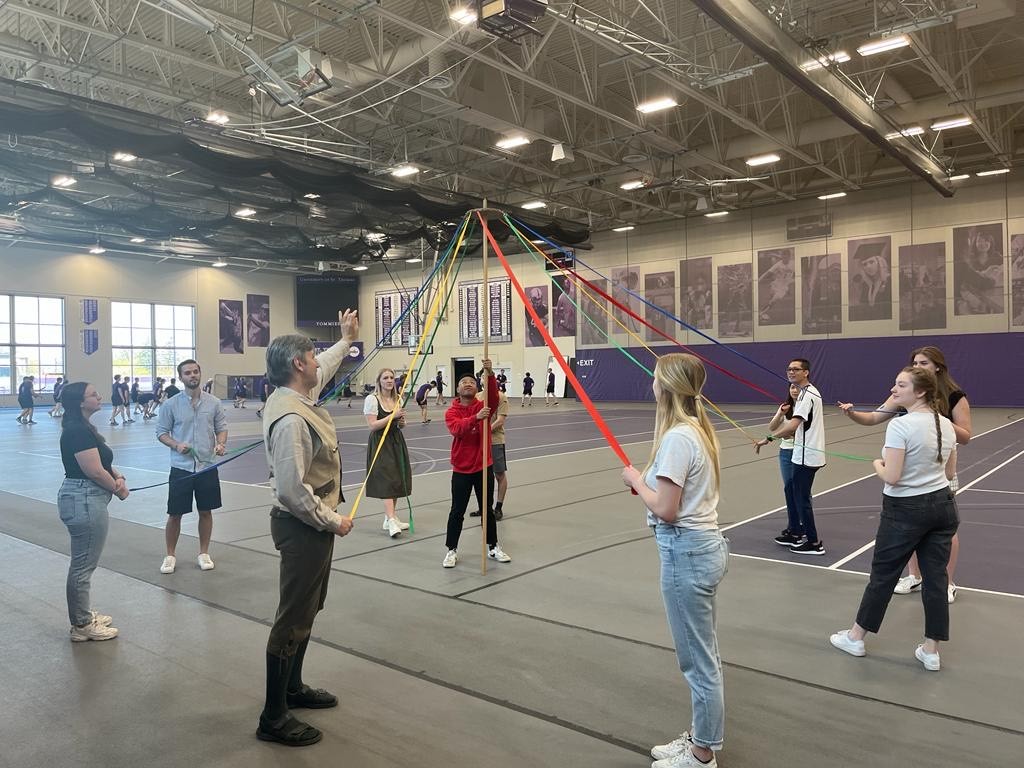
[{"x": 795, "y": 370}]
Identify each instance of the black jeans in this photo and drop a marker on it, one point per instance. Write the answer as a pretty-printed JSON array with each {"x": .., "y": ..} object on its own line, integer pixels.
[
  {"x": 803, "y": 480},
  {"x": 305, "y": 571},
  {"x": 462, "y": 484},
  {"x": 924, "y": 524}
]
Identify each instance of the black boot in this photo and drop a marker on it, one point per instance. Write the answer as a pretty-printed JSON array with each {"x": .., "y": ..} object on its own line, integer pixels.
[
  {"x": 276, "y": 722},
  {"x": 301, "y": 695}
]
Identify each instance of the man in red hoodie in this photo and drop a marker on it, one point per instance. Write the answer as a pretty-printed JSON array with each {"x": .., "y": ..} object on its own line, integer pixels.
[{"x": 465, "y": 417}]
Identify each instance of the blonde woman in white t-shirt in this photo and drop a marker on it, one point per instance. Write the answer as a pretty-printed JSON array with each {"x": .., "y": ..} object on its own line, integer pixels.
[
  {"x": 918, "y": 515},
  {"x": 679, "y": 487}
]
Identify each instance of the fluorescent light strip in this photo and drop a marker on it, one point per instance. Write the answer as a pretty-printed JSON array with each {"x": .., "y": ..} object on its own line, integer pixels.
[
  {"x": 960, "y": 177},
  {"x": 360, "y": 268},
  {"x": 656, "y": 105},
  {"x": 635, "y": 184},
  {"x": 64, "y": 181},
  {"x": 833, "y": 196},
  {"x": 219, "y": 263},
  {"x": 413, "y": 260},
  {"x": 97, "y": 249},
  {"x": 404, "y": 170},
  {"x": 462, "y": 15},
  {"x": 124, "y": 157},
  {"x": 995, "y": 172},
  {"x": 534, "y": 204},
  {"x": 839, "y": 57},
  {"x": 138, "y": 240},
  {"x": 914, "y": 130},
  {"x": 511, "y": 142},
  {"x": 955, "y": 122},
  {"x": 884, "y": 44},
  {"x": 244, "y": 213},
  {"x": 716, "y": 214},
  {"x": 311, "y": 196},
  {"x": 627, "y": 228},
  {"x": 763, "y": 159}
]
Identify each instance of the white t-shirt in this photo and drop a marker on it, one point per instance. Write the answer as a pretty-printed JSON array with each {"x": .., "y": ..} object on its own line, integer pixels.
[
  {"x": 915, "y": 434},
  {"x": 682, "y": 459},
  {"x": 809, "y": 440}
]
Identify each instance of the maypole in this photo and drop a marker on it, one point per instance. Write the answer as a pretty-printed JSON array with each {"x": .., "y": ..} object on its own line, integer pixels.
[{"x": 485, "y": 431}]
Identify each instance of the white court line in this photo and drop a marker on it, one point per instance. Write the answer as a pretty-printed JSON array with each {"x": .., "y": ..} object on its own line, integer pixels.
[
  {"x": 990, "y": 472},
  {"x": 838, "y": 564},
  {"x": 991, "y": 490}
]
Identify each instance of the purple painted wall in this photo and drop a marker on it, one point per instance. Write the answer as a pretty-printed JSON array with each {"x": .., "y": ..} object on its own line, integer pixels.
[{"x": 988, "y": 366}]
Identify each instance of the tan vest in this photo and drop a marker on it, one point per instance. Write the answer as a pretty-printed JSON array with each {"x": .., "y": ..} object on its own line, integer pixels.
[{"x": 324, "y": 473}]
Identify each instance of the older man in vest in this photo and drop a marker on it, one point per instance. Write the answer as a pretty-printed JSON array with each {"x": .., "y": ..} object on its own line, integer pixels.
[{"x": 305, "y": 476}]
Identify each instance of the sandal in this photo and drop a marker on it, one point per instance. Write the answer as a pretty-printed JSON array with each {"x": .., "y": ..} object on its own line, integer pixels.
[
  {"x": 288, "y": 731},
  {"x": 311, "y": 698}
]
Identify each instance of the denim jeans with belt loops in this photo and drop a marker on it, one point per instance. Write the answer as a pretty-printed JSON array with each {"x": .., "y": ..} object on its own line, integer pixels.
[
  {"x": 83, "y": 509},
  {"x": 693, "y": 563}
]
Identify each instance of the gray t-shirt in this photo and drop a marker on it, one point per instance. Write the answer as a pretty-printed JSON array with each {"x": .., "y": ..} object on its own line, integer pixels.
[{"x": 682, "y": 459}]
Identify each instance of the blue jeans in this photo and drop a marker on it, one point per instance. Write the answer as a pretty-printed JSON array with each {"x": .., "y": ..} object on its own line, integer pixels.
[
  {"x": 803, "y": 480},
  {"x": 83, "y": 509},
  {"x": 693, "y": 563},
  {"x": 786, "y": 468}
]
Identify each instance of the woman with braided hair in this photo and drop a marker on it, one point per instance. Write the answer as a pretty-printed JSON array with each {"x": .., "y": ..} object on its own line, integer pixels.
[{"x": 918, "y": 515}]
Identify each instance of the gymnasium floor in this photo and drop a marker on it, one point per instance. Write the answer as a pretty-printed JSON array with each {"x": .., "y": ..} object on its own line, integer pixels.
[{"x": 560, "y": 658}]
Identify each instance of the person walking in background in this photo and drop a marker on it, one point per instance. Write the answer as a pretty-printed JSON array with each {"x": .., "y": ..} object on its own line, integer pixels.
[
  {"x": 953, "y": 405},
  {"x": 208, "y": 386},
  {"x": 421, "y": 400},
  {"x": 241, "y": 392},
  {"x": 171, "y": 390},
  {"x": 90, "y": 480},
  {"x": 502, "y": 380},
  {"x": 679, "y": 487},
  {"x": 806, "y": 426},
  {"x": 126, "y": 409},
  {"x": 266, "y": 388},
  {"x": 58, "y": 385},
  {"x": 301, "y": 443},
  {"x": 439, "y": 385},
  {"x": 117, "y": 401},
  {"x": 391, "y": 477},
  {"x": 528, "y": 383},
  {"x": 465, "y": 418},
  {"x": 195, "y": 428},
  {"x": 549, "y": 392},
  {"x": 919, "y": 515},
  {"x": 133, "y": 397}
]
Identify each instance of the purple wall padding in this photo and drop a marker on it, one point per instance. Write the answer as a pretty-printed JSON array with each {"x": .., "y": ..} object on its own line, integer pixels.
[{"x": 988, "y": 366}]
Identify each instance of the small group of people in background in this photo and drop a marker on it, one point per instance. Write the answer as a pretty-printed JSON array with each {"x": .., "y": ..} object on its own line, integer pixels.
[{"x": 27, "y": 400}]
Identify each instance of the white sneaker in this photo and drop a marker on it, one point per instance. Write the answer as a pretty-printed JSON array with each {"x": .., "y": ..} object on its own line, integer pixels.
[
  {"x": 844, "y": 642},
  {"x": 684, "y": 759},
  {"x": 930, "y": 660},
  {"x": 675, "y": 747},
  {"x": 168, "y": 564},
  {"x": 101, "y": 619},
  {"x": 403, "y": 526},
  {"x": 951, "y": 593},
  {"x": 496, "y": 553},
  {"x": 205, "y": 563},
  {"x": 92, "y": 631},
  {"x": 450, "y": 559},
  {"x": 392, "y": 527},
  {"x": 907, "y": 584}
]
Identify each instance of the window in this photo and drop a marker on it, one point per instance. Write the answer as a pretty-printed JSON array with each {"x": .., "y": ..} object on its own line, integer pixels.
[
  {"x": 31, "y": 341},
  {"x": 149, "y": 340}
]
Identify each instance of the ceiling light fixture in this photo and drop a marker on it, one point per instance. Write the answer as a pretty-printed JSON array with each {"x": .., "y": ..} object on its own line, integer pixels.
[
  {"x": 716, "y": 214},
  {"x": 832, "y": 196},
  {"x": 137, "y": 240},
  {"x": 994, "y": 172},
  {"x": 883, "y": 45},
  {"x": 627, "y": 228},
  {"x": 960, "y": 177},
  {"x": 404, "y": 170},
  {"x": 534, "y": 204},
  {"x": 217, "y": 117},
  {"x": 839, "y": 57},
  {"x": 657, "y": 105},
  {"x": 634, "y": 184},
  {"x": 311, "y": 196},
  {"x": 953, "y": 122},
  {"x": 244, "y": 213},
  {"x": 462, "y": 15},
  {"x": 219, "y": 263},
  {"x": 97, "y": 249},
  {"x": 511, "y": 142},
  {"x": 64, "y": 181},
  {"x": 360, "y": 268},
  {"x": 914, "y": 130},
  {"x": 763, "y": 159},
  {"x": 124, "y": 157},
  {"x": 413, "y": 260}
]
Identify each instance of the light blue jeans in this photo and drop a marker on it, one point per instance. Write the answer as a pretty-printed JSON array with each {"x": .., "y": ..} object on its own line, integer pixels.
[
  {"x": 693, "y": 563},
  {"x": 83, "y": 509}
]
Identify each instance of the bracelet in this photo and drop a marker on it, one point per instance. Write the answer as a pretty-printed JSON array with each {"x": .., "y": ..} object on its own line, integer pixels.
[{"x": 770, "y": 438}]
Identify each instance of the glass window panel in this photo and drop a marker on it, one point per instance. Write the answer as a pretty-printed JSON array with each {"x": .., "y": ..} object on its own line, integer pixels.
[
  {"x": 142, "y": 316},
  {"x": 165, "y": 357},
  {"x": 142, "y": 337},
  {"x": 26, "y": 362},
  {"x": 5, "y": 308},
  {"x": 120, "y": 314},
  {"x": 143, "y": 359},
  {"x": 26, "y": 334},
  {"x": 5, "y": 333},
  {"x": 183, "y": 339},
  {"x": 26, "y": 309},
  {"x": 163, "y": 316},
  {"x": 51, "y": 334},
  {"x": 51, "y": 311},
  {"x": 5, "y": 370},
  {"x": 183, "y": 317},
  {"x": 121, "y": 357},
  {"x": 121, "y": 337}
]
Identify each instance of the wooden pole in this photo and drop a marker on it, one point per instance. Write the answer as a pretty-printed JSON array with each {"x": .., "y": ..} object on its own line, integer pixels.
[{"x": 485, "y": 432}]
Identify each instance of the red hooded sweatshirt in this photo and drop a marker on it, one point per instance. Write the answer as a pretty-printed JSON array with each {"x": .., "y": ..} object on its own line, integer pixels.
[{"x": 465, "y": 428}]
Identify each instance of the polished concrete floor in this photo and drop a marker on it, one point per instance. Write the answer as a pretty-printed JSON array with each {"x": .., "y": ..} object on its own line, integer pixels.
[{"x": 560, "y": 658}]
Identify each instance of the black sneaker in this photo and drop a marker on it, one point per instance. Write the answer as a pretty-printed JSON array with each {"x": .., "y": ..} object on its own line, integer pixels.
[
  {"x": 808, "y": 548},
  {"x": 787, "y": 538},
  {"x": 475, "y": 514}
]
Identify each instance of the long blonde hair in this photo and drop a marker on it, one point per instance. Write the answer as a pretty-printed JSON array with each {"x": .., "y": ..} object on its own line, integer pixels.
[{"x": 680, "y": 378}]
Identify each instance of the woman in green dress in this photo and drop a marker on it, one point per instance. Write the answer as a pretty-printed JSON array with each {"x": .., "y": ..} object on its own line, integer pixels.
[{"x": 391, "y": 476}]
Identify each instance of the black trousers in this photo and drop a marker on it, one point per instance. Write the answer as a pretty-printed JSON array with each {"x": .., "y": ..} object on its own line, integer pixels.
[
  {"x": 924, "y": 524},
  {"x": 462, "y": 484},
  {"x": 305, "y": 570}
]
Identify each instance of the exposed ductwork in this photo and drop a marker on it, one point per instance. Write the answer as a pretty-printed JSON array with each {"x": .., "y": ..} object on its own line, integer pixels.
[{"x": 746, "y": 23}]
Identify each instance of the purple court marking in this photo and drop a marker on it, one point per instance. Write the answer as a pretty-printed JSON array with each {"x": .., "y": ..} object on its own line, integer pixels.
[{"x": 991, "y": 533}]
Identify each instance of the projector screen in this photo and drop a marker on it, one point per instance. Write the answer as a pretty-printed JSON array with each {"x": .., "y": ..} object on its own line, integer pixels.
[{"x": 319, "y": 298}]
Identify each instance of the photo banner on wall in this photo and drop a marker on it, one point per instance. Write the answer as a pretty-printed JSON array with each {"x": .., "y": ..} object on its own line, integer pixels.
[
  {"x": 626, "y": 279},
  {"x": 594, "y": 330},
  {"x": 388, "y": 306},
  {"x": 870, "y": 275},
  {"x": 565, "y": 312},
  {"x": 695, "y": 293},
  {"x": 230, "y": 312},
  {"x": 735, "y": 301},
  {"x": 978, "y": 276},
  {"x": 538, "y": 296},
  {"x": 1017, "y": 274},
  {"x": 497, "y": 303},
  {"x": 922, "y": 271},
  {"x": 660, "y": 290},
  {"x": 822, "y": 294},
  {"x": 776, "y": 287},
  {"x": 257, "y": 322}
]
